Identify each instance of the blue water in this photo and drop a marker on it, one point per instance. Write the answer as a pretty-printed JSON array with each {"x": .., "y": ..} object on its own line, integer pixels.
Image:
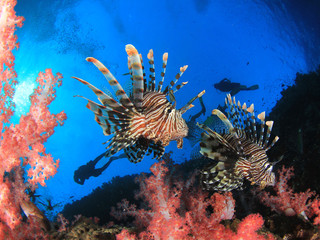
[{"x": 247, "y": 41}]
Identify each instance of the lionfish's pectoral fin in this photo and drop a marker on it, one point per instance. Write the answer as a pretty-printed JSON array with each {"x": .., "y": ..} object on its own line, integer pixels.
[
  {"x": 214, "y": 146},
  {"x": 220, "y": 177},
  {"x": 137, "y": 151},
  {"x": 157, "y": 149}
]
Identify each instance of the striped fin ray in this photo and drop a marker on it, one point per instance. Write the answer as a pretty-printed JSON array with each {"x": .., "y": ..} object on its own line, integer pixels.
[
  {"x": 173, "y": 82},
  {"x": 252, "y": 122},
  {"x": 110, "y": 120},
  {"x": 120, "y": 93},
  {"x": 261, "y": 117},
  {"x": 272, "y": 143},
  {"x": 269, "y": 124},
  {"x": 178, "y": 87},
  {"x": 119, "y": 141},
  {"x": 152, "y": 82},
  {"x": 145, "y": 84},
  {"x": 164, "y": 67},
  {"x": 247, "y": 122},
  {"x": 232, "y": 130},
  {"x": 242, "y": 126},
  {"x": 105, "y": 99},
  {"x": 220, "y": 177},
  {"x": 225, "y": 120},
  {"x": 136, "y": 152},
  {"x": 157, "y": 149},
  {"x": 189, "y": 104},
  {"x": 232, "y": 115},
  {"x": 214, "y": 146},
  {"x": 137, "y": 75}
]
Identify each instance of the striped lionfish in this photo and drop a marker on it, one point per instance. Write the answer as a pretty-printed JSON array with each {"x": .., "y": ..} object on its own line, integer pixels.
[
  {"x": 142, "y": 121},
  {"x": 240, "y": 152}
]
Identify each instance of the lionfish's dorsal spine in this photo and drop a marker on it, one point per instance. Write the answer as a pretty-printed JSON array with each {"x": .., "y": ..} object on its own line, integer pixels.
[
  {"x": 244, "y": 120},
  {"x": 164, "y": 67},
  {"x": 234, "y": 116},
  {"x": 173, "y": 82},
  {"x": 135, "y": 67},
  {"x": 232, "y": 130},
  {"x": 120, "y": 93},
  {"x": 145, "y": 83},
  {"x": 152, "y": 82},
  {"x": 261, "y": 116},
  {"x": 189, "y": 104},
  {"x": 253, "y": 122}
]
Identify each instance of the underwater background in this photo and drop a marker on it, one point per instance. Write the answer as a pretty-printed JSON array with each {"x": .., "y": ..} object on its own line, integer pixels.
[{"x": 264, "y": 42}]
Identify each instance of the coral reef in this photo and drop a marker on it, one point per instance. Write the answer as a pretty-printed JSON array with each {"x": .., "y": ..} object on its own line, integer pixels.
[
  {"x": 21, "y": 145},
  {"x": 297, "y": 117}
]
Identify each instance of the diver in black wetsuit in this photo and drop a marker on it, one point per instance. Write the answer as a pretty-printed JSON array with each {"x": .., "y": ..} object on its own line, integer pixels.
[
  {"x": 86, "y": 171},
  {"x": 225, "y": 85}
]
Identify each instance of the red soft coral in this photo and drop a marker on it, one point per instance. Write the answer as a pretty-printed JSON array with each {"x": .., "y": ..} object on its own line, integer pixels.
[
  {"x": 247, "y": 229},
  {"x": 286, "y": 201},
  {"x": 22, "y": 142},
  {"x": 182, "y": 211}
]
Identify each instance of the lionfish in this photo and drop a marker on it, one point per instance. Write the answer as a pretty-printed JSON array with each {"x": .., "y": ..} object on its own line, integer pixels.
[
  {"x": 240, "y": 151},
  {"x": 142, "y": 121}
]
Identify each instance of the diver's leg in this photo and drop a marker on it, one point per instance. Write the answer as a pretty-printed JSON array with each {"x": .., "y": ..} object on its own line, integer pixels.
[{"x": 98, "y": 171}]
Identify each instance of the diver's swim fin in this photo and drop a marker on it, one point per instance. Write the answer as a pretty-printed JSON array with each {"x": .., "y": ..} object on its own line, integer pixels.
[{"x": 253, "y": 87}]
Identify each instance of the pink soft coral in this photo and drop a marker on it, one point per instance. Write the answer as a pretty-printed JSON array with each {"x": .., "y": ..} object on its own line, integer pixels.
[
  {"x": 22, "y": 142},
  {"x": 180, "y": 211},
  {"x": 286, "y": 201}
]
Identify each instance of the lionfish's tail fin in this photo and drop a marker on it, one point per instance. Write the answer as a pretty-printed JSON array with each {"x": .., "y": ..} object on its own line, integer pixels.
[
  {"x": 189, "y": 104},
  {"x": 120, "y": 93},
  {"x": 135, "y": 67},
  {"x": 218, "y": 176}
]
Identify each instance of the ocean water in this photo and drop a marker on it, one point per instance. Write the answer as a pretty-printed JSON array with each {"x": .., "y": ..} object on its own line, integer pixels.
[{"x": 246, "y": 41}]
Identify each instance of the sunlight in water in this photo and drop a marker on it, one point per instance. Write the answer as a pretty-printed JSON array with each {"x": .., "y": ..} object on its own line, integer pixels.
[{"x": 21, "y": 97}]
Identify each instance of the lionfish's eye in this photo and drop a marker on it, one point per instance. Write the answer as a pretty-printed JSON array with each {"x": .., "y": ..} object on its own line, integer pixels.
[{"x": 169, "y": 110}]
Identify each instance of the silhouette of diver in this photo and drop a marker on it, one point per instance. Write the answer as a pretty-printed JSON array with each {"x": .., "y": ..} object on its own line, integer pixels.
[
  {"x": 225, "y": 85},
  {"x": 86, "y": 171}
]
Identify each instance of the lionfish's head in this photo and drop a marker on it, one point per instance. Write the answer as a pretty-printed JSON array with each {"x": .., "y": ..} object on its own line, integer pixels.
[{"x": 269, "y": 178}]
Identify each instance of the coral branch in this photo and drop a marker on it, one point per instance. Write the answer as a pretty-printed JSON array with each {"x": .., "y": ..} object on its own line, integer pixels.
[{"x": 22, "y": 144}]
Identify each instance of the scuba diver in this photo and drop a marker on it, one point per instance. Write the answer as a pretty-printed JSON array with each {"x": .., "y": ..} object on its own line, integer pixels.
[
  {"x": 86, "y": 171},
  {"x": 225, "y": 85}
]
